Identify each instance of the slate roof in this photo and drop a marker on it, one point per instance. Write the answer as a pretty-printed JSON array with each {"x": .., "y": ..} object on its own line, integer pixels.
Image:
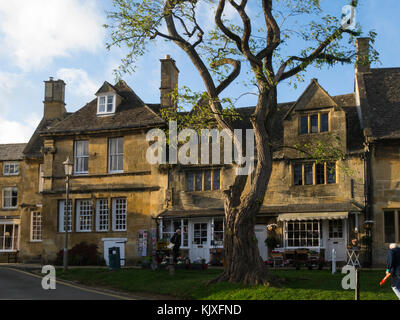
[
  {"x": 10, "y": 152},
  {"x": 35, "y": 144},
  {"x": 131, "y": 113},
  {"x": 380, "y": 102}
]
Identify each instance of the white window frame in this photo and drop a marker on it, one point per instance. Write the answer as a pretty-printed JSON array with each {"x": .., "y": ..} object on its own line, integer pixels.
[
  {"x": 286, "y": 232},
  {"x": 119, "y": 215},
  {"x": 61, "y": 218},
  {"x": 14, "y": 236},
  {"x": 11, "y": 189},
  {"x": 84, "y": 215},
  {"x": 106, "y": 103},
  {"x": 8, "y": 165},
  {"x": 78, "y": 157},
  {"x": 36, "y": 226},
  {"x": 116, "y": 155},
  {"x": 167, "y": 230},
  {"x": 102, "y": 215}
]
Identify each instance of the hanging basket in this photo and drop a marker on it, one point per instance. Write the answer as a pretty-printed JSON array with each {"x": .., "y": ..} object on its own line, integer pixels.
[{"x": 272, "y": 227}]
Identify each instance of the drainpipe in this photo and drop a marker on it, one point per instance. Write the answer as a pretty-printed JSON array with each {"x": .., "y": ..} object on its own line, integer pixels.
[{"x": 368, "y": 194}]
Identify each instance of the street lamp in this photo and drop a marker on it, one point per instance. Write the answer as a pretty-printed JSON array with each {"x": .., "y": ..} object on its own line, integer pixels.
[{"x": 68, "y": 172}]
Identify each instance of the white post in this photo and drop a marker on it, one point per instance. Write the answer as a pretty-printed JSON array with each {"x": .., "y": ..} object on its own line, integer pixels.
[{"x": 333, "y": 261}]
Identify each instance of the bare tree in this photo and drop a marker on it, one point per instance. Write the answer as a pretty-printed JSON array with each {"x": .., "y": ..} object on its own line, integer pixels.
[{"x": 218, "y": 57}]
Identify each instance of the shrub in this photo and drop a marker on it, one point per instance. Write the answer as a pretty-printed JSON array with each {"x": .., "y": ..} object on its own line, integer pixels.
[
  {"x": 271, "y": 242},
  {"x": 82, "y": 254}
]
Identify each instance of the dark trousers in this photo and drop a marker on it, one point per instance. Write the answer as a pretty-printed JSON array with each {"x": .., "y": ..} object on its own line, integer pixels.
[
  {"x": 175, "y": 253},
  {"x": 396, "y": 285}
]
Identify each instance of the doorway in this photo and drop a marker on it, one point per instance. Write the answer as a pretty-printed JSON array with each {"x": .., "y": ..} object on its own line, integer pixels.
[
  {"x": 336, "y": 239},
  {"x": 261, "y": 234},
  {"x": 200, "y": 235}
]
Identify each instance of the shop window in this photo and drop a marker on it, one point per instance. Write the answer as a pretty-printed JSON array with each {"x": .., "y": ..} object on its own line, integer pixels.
[
  {"x": 218, "y": 233},
  {"x": 169, "y": 227},
  {"x": 302, "y": 233}
]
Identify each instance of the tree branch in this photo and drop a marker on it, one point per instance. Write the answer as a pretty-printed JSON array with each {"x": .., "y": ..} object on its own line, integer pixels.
[{"x": 316, "y": 54}]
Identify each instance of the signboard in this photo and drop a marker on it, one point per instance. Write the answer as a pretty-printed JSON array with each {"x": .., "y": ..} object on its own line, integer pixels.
[{"x": 142, "y": 243}]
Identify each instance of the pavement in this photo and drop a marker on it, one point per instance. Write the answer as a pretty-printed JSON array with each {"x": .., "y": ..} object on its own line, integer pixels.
[{"x": 24, "y": 282}]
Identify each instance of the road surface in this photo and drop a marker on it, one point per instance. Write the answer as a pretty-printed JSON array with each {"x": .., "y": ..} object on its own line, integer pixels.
[{"x": 20, "y": 285}]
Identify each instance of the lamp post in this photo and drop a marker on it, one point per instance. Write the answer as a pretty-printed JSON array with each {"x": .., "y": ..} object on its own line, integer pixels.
[{"x": 68, "y": 172}]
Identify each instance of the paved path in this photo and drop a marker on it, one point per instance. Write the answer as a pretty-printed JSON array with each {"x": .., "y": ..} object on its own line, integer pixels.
[{"x": 20, "y": 285}]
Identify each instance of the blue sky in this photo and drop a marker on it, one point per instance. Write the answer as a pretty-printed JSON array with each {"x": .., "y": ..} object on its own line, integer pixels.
[{"x": 65, "y": 39}]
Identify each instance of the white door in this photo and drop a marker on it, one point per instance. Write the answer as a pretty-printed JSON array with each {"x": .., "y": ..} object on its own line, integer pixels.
[
  {"x": 200, "y": 236},
  {"x": 261, "y": 235},
  {"x": 115, "y": 242},
  {"x": 336, "y": 239}
]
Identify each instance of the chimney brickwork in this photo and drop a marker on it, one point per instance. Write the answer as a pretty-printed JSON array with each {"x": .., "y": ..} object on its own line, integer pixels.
[
  {"x": 169, "y": 81},
  {"x": 363, "y": 63},
  {"x": 54, "y": 99}
]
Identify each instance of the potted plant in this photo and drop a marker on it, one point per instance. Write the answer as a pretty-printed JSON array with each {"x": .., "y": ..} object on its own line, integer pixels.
[{"x": 272, "y": 242}]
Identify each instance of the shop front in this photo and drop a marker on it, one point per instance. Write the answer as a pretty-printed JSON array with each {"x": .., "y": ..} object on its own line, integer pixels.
[
  {"x": 318, "y": 232},
  {"x": 203, "y": 237}
]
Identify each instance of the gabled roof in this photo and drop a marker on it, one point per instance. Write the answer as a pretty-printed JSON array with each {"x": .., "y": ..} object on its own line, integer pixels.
[
  {"x": 380, "y": 102},
  {"x": 9, "y": 152},
  {"x": 314, "y": 97},
  {"x": 132, "y": 112},
  {"x": 106, "y": 88}
]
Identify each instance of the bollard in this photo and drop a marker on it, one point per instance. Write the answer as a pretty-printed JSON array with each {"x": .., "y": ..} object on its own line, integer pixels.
[
  {"x": 171, "y": 266},
  {"x": 357, "y": 287},
  {"x": 333, "y": 261}
]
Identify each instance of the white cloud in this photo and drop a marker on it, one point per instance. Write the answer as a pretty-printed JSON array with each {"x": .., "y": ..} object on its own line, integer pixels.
[
  {"x": 36, "y": 32},
  {"x": 18, "y": 132},
  {"x": 78, "y": 82}
]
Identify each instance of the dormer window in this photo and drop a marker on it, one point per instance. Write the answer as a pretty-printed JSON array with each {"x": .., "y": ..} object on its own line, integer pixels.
[
  {"x": 106, "y": 104},
  {"x": 314, "y": 123}
]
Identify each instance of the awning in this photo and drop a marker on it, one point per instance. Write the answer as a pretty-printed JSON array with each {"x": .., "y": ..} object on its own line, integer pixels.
[{"x": 313, "y": 216}]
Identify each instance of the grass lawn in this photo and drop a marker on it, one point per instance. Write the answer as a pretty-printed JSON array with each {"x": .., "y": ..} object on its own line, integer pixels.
[{"x": 191, "y": 284}]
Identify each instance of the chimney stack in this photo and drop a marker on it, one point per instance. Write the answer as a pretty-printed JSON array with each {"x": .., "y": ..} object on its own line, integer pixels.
[
  {"x": 363, "y": 63},
  {"x": 169, "y": 81},
  {"x": 54, "y": 99}
]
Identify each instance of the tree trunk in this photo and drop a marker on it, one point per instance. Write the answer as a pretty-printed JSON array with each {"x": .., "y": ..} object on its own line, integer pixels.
[{"x": 243, "y": 263}]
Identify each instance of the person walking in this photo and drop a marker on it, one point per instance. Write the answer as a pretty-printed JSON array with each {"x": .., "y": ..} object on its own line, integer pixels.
[
  {"x": 393, "y": 267},
  {"x": 176, "y": 240}
]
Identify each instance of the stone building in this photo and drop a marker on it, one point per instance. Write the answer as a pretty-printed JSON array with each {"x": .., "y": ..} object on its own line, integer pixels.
[
  {"x": 11, "y": 173},
  {"x": 379, "y": 94},
  {"x": 117, "y": 198}
]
